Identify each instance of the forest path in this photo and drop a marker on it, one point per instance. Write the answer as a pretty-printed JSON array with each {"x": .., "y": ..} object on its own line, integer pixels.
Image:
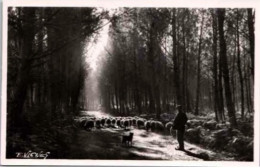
[{"x": 106, "y": 144}]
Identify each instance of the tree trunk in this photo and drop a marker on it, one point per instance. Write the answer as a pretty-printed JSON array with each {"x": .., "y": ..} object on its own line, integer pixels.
[
  {"x": 215, "y": 69},
  {"x": 239, "y": 67},
  {"x": 24, "y": 72},
  {"x": 221, "y": 94},
  {"x": 250, "y": 22},
  {"x": 136, "y": 79},
  {"x": 184, "y": 64},
  {"x": 247, "y": 90},
  {"x": 176, "y": 63},
  {"x": 199, "y": 69},
  {"x": 223, "y": 55}
]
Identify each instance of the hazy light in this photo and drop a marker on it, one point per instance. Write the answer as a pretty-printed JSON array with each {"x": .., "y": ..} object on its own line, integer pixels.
[
  {"x": 94, "y": 54},
  {"x": 96, "y": 47},
  {"x": 94, "y": 50}
]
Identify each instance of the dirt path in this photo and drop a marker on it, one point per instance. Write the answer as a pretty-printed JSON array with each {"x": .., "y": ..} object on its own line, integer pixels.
[{"x": 106, "y": 144}]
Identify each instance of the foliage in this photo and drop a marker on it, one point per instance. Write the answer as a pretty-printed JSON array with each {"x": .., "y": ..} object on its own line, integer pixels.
[
  {"x": 46, "y": 73},
  {"x": 158, "y": 60}
]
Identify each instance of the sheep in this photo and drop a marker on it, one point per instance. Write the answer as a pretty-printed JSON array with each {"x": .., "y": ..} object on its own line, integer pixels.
[
  {"x": 130, "y": 122},
  {"x": 168, "y": 125},
  {"x": 103, "y": 121},
  {"x": 153, "y": 125},
  {"x": 134, "y": 122},
  {"x": 118, "y": 123},
  {"x": 147, "y": 125},
  {"x": 108, "y": 122},
  {"x": 122, "y": 123},
  {"x": 89, "y": 124},
  {"x": 98, "y": 124},
  {"x": 113, "y": 121},
  {"x": 159, "y": 126},
  {"x": 126, "y": 123},
  {"x": 140, "y": 123}
]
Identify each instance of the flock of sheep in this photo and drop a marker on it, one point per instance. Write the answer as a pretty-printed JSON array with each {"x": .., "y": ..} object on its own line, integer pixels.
[{"x": 88, "y": 123}]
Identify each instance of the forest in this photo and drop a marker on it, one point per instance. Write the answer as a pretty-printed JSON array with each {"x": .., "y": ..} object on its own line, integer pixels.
[{"x": 156, "y": 61}]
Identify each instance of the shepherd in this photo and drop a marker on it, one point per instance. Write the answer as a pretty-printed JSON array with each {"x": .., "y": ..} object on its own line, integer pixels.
[{"x": 179, "y": 125}]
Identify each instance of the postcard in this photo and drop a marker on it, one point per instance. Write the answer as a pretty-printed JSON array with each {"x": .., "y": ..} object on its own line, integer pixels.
[{"x": 124, "y": 83}]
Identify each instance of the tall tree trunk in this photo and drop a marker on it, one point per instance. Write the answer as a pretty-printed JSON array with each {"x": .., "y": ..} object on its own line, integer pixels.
[
  {"x": 136, "y": 74},
  {"x": 239, "y": 66},
  {"x": 233, "y": 77},
  {"x": 39, "y": 87},
  {"x": 215, "y": 69},
  {"x": 249, "y": 91},
  {"x": 221, "y": 94},
  {"x": 250, "y": 22},
  {"x": 187, "y": 91},
  {"x": 223, "y": 55},
  {"x": 151, "y": 56},
  {"x": 199, "y": 69},
  {"x": 176, "y": 63},
  {"x": 184, "y": 63}
]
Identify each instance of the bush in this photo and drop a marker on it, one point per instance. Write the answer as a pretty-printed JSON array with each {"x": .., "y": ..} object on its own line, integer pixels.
[
  {"x": 210, "y": 124},
  {"x": 242, "y": 146},
  {"x": 194, "y": 123},
  {"x": 50, "y": 136},
  {"x": 221, "y": 138},
  {"x": 193, "y": 135},
  {"x": 221, "y": 126},
  {"x": 246, "y": 128}
]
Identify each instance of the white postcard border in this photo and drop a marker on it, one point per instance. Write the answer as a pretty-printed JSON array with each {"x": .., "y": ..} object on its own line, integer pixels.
[{"x": 130, "y": 3}]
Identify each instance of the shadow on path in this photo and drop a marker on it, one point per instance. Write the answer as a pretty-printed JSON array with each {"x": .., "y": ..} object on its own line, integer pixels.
[
  {"x": 202, "y": 155},
  {"x": 105, "y": 143}
]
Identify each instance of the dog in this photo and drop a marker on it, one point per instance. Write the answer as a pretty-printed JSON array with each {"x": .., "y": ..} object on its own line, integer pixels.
[{"x": 127, "y": 139}]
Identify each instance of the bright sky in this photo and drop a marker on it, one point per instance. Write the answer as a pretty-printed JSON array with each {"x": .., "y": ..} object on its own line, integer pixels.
[{"x": 94, "y": 49}]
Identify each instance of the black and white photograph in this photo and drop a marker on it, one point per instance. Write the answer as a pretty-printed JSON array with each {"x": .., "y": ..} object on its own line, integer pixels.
[{"x": 129, "y": 83}]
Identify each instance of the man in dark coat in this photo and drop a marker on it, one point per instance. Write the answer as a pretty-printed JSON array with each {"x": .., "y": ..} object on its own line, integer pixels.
[{"x": 179, "y": 125}]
